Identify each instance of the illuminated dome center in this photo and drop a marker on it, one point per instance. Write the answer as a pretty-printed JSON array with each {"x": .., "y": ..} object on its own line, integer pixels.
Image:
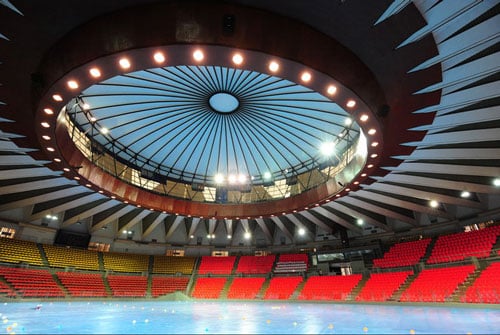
[{"x": 223, "y": 102}]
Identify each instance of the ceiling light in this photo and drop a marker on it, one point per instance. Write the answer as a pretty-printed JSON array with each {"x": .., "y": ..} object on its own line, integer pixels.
[
  {"x": 57, "y": 97},
  {"x": 159, "y": 57},
  {"x": 364, "y": 117},
  {"x": 247, "y": 235},
  {"x": 465, "y": 194},
  {"x": 359, "y": 222},
  {"x": 496, "y": 181},
  {"x": 66, "y": 169},
  {"x": 219, "y": 179},
  {"x": 274, "y": 66},
  {"x": 373, "y": 155},
  {"x": 302, "y": 231},
  {"x": 124, "y": 63},
  {"x": 46, "y": 137},
  {"x": 433, "y": 203},
  {"x": 374, "y": 144},
  {"x": 267, "y": 175},
  {"x": 104, "y": 130},
  {"x": 348, "y": 121},
  {"x": 191, "y": 236},
  {"x": 95, "y": 72},
  {"x": 327, "y": 148},
  {"x": 242, "y": 179},
  {"x": 351, "y": 103},
  {"x": 347, "y": 189},
  {"x": 57, "y": 160},
  {"x": 229, "y": 236},
  {"x": 93, "y": 119},
  {"x": 72, "y": 84},
  {"x": 231, "y": 179},
  {"x": 213, "y": 235},
  {"x": 48, "y": 111},
  {"x": 51, "y": 149},
  {"x": 372, "y": 131},
  {"x": 331, "y": 90},
  {"x": 237, "y": 59},
  {"x": 209, "y": 236},
  {"x": 88, "y": 185},
  {"x": 305, "y": 77},
  {"x": 45, "y": 124},
  {"x": 198, "y": 55},
  {"x": 363, "y": 175},
  {"x": 77, "y": 178},
  {"x": 369, "y": 166},
  {"x": 356, "y": 182},
  {"x": 85, "y": 106}
]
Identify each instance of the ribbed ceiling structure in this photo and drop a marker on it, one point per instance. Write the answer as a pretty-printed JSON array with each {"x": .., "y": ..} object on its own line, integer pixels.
[{"x": 436, "y": 63}]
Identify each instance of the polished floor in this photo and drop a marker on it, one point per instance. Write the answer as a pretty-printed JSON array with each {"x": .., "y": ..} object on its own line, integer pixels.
[{"x": 206, "y": 317}]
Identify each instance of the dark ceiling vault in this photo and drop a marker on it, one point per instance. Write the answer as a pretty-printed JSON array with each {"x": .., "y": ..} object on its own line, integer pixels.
[{"x": 427, "y": 69}]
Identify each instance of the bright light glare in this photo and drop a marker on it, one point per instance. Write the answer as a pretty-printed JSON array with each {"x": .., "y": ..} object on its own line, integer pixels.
[
  {"x": 331, "y": 90},
  {"x": 267, "y": 175},
  {"x": 247, "y": 235},
  {"x": 198, "y": 55},
  {"x": 496, "y": 182},
  {"x": 124, "y": 63},
  {"x": 273, "y": 66},
  {"x": 242, "y": 179},
  {"x": 348, "y": 121},
  {"x": 219, "y": 179},
  {"x": 327, "y": 148},
  {"x": 306, "y": 76},
  {"x": 434, "y": 203},
  {"x": 159, "y": 57},
  {"x": 465, "y": 194},
  {"x": 302, "y": 231},
  {"x": 231, "y": 179},
  {"x": 237, "y": 59},
  {"x": 104, "y": 130},
  {"x": 359, "y": 222}
]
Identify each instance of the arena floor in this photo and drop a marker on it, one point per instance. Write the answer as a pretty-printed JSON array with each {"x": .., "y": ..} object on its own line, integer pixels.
[{"x": 207, "y": 317}]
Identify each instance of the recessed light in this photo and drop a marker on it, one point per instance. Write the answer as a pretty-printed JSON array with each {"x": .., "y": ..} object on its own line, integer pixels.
[
  {"x": 46, "y": 137},
  {"x": 198, "y": 55},
  {"x": 274, "y": 66},
  {"x": 351, "y": 103},
  {"x": 45, "y": 124},
  {"x": 331, "y": 90},
  {"x": 348, "y": 121},
  {"x": 359, "y": 222},
  {"x": 363, "y": 175},
  {"x": 77, "y": 178},
  {"x": 72, "y": 84},
  {"x": 159, "y": 57},
  {"x": 85, "y": 106},
  {"x": 465, "y": 194},
  {"x": 57, "y": 160},
  {"x": 48, "y": 111},
  {"x": 496, "y": 182},
  {"x": 305, "y": 77},
  {"x": 104, "y": 130},
  {"x": 51, "y": 149},
  {"x": 356, "y": 182},
  {"x": 124, "y": 63},
  {"x": 88, "y": 185},
  {"x": 372, "y": 131},
  {"x": 374, "y": 155},
  {"x": 57, "y": 97},
  {"x": 433, "y": 203},
  {"x": 101, "y": 191},
  {"x": 95, "y": 72},
  {"x": 374, "y": 144},
  {"x": 364, "y": 117},
  {"x": 93, "y": 119},
  {"x": 66, "y": 169},
  {"x": 369, "y": 166},
  {"x": 237, "y": 59}
]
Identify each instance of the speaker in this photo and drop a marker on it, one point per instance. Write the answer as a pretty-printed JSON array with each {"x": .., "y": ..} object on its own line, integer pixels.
[{"x": 228, "y": 21}]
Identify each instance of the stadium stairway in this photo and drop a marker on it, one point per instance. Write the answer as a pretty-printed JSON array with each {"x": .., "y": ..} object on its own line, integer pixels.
[
  {"x": 297, "y": 291},
  {"x": 149, "y": 274},
  {"x": 59, "y": 283},
  {"x": 227, "y": 285},
  {"x": 357, "y": 289},
  {"x": 101, "y": 261},
  {"x": 462, "y": 287},
  {"x": 45, "y": 260},
  {"x": 428, "y": 252},
  {"x": 397, "y": 294},
  {"x": 263, "y": 289},
  {"x": 109, "y": 291}
]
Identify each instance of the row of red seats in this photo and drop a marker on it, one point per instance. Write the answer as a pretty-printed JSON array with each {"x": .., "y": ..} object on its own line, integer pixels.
[
  {"x": 381, "y": 286},
  {"x": 255, "y": 264},
  {"x": 83, "y": 284},
  {"x": 403, "y": 254},
  {"x": 436, "y": 285},
  {"x": 329, "y": 287},
  {"x": 32, "y": 282},
  {"x": 166, "y": 285},
  {"x": 485, "y": 288},
  {"x": 245, "y": 288},
  {"x": 216, "y": 265},
  {"x": 128, "y": 286}
]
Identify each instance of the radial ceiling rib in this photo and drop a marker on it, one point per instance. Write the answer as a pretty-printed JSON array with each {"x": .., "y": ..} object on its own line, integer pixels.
[
  {"x": 441, "y": 183},
  {"x": 36, "y": 185},
  {"x": 335, "y": 218},
  {"x": 357, "y": 214},
  {"x": 282, "y": 227},
  {"x": 96, "y": 225},
  {"x": 379, "y": 209},
  {"x": 308, "y": 216},
  {"x": 84, "y": 199},
  {"x": 457, "y": 119},
  {"x": 27, "y": 173},
  {"x": 452, "y": 154},
  {"x": 265, "y": 229},
  {"x": 90, "y": 212},
  {"x": 426, "y": 195},
  {"x": 486, "y": 171},
  {"x": 146, "y": 232},
  {"x": 31, "y": 200},
  {"x": 395, "y": 200},
  {"x": 395, "y": 7}
]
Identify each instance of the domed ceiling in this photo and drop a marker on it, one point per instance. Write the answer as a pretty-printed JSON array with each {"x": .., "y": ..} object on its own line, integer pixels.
[{"x": 202, "y": 122}]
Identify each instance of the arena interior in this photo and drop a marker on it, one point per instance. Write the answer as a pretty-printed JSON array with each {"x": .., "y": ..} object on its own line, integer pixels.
[{"x": 329, "y": 150}]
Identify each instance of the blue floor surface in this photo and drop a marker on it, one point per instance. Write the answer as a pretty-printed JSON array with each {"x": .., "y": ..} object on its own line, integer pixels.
[{"x": 202, "y": 317}]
